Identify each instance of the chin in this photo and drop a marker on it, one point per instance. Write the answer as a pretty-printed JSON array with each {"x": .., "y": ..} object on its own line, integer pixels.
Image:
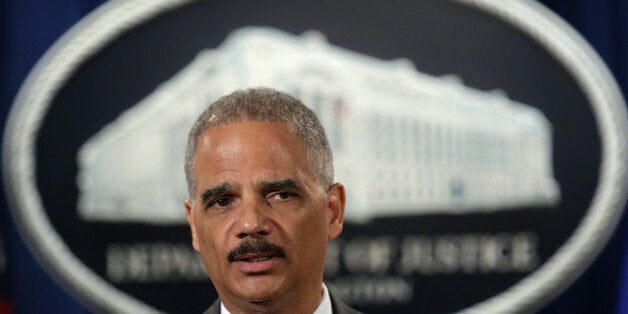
[{"x": 260, "y": 290}]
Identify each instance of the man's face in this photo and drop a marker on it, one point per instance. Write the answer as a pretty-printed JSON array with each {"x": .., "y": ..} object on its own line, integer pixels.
[{"x": 259, "y": 218}]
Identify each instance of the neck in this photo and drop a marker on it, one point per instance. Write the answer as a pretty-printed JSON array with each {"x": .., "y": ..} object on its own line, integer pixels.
[{"x": 294, "y": 301}]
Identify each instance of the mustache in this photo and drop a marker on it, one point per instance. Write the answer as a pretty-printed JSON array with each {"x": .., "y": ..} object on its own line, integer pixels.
[{"x": 255, "y": 245}]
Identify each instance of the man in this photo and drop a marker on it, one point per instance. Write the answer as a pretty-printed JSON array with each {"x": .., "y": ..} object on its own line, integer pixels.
[{"x": 262, "y": 203}]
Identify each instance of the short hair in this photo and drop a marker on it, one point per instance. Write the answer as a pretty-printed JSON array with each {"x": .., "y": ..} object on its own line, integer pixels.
[{"x": 267, "y": 105}]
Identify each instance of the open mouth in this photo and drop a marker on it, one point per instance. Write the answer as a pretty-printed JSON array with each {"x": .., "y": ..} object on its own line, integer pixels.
[
  {"x": 254, "y": 258},
  {"x": 257, "y": 259},
  {"x": 256, "y": 263}
]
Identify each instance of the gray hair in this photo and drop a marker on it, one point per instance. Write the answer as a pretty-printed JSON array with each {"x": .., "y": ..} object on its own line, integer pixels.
[{"x": 268, "y": 105}]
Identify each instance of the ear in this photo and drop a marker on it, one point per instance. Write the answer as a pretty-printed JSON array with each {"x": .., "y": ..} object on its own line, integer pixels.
[
  {"x": 189, "y": 212},
  {"x": 336, "y": 209}
]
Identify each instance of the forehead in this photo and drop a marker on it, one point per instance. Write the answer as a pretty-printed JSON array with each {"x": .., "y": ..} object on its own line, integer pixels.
[{"x": 245, "y": 144}]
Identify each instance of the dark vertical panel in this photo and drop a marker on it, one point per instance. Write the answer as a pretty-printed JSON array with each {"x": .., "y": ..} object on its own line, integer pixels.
[
  {"x": 599, "y": 290},
  {"x": 30, "y": 27}
]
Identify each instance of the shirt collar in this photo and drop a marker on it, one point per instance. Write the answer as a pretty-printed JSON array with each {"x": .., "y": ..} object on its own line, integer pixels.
[{"x": 323, "y": 308}]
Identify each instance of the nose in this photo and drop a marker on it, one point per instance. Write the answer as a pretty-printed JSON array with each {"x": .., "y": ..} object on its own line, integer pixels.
[{"x": 253, "y": 220}]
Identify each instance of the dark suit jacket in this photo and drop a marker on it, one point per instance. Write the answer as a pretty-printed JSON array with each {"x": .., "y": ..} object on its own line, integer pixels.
[{"x": 337, "y": 307}]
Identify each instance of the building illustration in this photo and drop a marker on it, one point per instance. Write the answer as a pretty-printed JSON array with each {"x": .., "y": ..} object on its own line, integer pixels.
[{"x": 404, "y": 142}]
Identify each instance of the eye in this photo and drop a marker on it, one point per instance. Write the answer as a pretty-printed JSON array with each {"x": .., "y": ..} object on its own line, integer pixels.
[
  {"x": 221, "y": 202},
  {"x": 282, "y": 195}
]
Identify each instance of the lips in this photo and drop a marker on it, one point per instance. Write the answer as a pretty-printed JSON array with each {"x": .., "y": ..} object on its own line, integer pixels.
[
  {"x": 254, "y": 258},
  {"x": 256, "y": 264},
  {"x": 256, "y": 255}
]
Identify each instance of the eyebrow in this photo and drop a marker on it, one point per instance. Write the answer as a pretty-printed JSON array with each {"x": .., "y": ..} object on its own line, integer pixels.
[
  {"x": 214, "y": 191},
  {"x": 288, "y": 184}
]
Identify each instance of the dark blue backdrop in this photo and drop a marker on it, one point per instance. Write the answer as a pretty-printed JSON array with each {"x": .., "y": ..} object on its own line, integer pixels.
[{"x": 29, "y": 27}]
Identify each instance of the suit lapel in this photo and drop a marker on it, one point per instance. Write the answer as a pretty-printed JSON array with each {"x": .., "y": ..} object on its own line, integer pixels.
[
  {"x": 339, "y": 307},
  {"x": 214, "y": 309}
]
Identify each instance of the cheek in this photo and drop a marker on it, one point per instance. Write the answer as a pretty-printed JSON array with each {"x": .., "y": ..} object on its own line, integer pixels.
[
  {"x": 209, "y": 239},
  {"x": 313, "y": 227},
  {"x": 212, "y": 250}
]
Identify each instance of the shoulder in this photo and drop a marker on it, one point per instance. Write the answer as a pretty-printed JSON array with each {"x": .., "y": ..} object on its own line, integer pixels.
[{"x": 339, "y": 307}]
